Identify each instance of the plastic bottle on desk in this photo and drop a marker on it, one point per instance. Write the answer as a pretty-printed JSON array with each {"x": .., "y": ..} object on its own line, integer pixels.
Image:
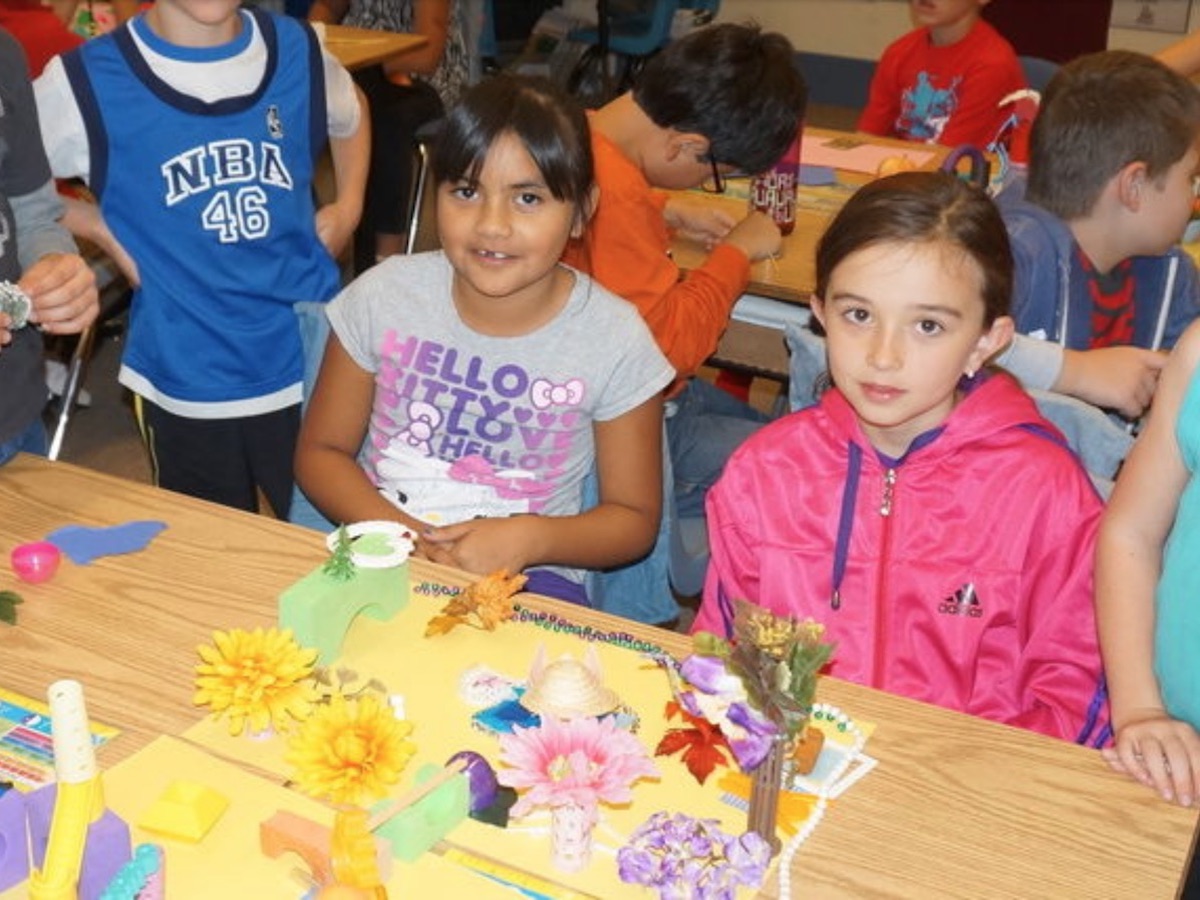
[{"x": 774, "y": 191}]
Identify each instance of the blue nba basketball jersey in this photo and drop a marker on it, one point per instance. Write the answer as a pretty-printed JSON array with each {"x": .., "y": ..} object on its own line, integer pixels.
[{"x": 214, "y": 202}]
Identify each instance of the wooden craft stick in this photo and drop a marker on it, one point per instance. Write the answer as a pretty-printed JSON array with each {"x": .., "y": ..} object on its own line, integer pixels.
[
  {"x": 249, "y": 767},
  {"x": 414, "y": 794}
]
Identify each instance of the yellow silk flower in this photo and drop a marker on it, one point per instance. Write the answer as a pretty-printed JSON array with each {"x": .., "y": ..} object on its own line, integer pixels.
[
  {"x": 350, "y": 751},
  {"x": 260, "y": 677}
]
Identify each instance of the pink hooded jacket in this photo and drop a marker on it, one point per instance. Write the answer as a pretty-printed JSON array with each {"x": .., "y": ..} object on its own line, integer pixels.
[{"x": 960, "y": 575}]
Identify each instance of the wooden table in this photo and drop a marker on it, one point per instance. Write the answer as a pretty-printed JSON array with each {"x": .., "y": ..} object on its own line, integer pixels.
[
  {"x": 957, "y": 807},
  {"x": 790, "y": 279},
  {"x": 357, "y": 48}
]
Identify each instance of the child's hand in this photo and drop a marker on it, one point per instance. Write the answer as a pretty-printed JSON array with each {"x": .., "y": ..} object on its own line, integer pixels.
[
  {"x": 1120, "y": 378},
  {"x": 481, "y": 545},
  {"x": 63, "y": 290},
  {"x": 757, "y": 236},
  {"x": 1161, "y": 753},
  {"x": 335, "y": 226},
  {"x": 697, "y": 220}
]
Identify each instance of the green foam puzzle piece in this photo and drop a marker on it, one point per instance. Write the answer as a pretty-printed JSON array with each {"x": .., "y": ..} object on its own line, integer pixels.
[
  {"x": 414, "y": 830},
  {"x": 320, "y": 608}
]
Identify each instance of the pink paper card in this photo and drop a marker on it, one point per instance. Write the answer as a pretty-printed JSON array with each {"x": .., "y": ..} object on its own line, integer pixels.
[{"x": 857, "y": 154}]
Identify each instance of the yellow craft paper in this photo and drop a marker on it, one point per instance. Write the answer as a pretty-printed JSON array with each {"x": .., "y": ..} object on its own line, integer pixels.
[
  {"x": 227, "y": 862},
  {"x": 426, "y": 671}
]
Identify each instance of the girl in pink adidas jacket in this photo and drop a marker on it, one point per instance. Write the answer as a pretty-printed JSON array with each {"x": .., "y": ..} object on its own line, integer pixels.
[{"x": 923, "y": 510}]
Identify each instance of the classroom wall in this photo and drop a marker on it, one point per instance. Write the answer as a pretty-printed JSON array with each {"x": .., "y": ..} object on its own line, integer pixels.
[{"x": 862, "y": 28}]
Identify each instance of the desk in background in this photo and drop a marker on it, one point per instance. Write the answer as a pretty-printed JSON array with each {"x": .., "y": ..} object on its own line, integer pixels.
[
  {"x": 957, "y": 806},
  {"x": 753, "y": 342},
  {"x": 357, "y": 48}
]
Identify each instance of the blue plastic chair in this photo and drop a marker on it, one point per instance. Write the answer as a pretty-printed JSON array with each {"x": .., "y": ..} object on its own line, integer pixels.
[
  {"x": 1038, "y": 72},
  {"x": 633, "y": 39}
]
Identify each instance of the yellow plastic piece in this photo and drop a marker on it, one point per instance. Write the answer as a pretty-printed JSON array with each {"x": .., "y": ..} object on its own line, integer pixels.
[
  {"x": 76, "y": 806},
  {"x": 186, "y": 811},
  {"x": 352, "y": 850}
]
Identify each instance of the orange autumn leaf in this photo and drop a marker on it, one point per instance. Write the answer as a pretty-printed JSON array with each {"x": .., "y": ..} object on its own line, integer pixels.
[
  {"x": 484, "y": 605},
  {"x": 704, "y": 746},
  {"x": 441, "y": 625}
]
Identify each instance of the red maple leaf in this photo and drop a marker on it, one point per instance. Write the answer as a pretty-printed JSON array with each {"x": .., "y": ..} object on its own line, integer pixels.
[{"x": 702, "y": 743}]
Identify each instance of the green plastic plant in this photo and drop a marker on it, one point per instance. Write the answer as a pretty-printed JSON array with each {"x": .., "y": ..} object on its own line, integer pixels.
[
  {"x": 340, "y": 565},
  {"x": 777, "y": 658}
]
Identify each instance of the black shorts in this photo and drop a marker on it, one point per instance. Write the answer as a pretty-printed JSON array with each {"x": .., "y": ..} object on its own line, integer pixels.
[{"x": 227, "y": 461}]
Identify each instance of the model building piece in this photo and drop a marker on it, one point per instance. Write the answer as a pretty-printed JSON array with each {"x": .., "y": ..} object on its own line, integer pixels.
[
  {"x": 320, "y": 607},
  {"x": 186, "y": 811},
  {"x": 14, "y": 839},
  {"x": 78, "y": 844}
]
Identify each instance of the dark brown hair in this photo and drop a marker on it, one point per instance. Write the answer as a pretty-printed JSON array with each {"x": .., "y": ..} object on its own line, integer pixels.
[
  {"x": 1100, "y": 113},
  {"x": 549, "y": 123},
  {"x": 924, "y": 207},
  {"x": 735, "y": 84}
]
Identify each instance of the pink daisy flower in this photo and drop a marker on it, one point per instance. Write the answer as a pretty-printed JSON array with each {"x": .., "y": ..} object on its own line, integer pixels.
[{"x": 584, "y": 761}]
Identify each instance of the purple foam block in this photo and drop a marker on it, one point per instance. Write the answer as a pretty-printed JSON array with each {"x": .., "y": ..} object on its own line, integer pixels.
[
  {"x": 14, "y": 840},
  {"x": 481, "y": 779},
  {"x": 108, "y": 845}
]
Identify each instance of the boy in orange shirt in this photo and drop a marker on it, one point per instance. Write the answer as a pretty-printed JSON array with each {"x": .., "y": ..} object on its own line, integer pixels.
[{"x": 722, "y": 98}]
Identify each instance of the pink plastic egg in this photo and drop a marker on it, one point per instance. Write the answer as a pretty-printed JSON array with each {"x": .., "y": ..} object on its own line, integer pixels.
[{"x": 35, "y": 562}]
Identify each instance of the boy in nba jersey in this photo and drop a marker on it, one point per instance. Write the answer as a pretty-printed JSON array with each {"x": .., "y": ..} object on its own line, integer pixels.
[{"x": 198, "y": 127}]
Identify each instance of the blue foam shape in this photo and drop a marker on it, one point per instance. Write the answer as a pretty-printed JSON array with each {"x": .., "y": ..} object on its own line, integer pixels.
[
  {"x": 82, "y": 544},
  {"x": 506, "y": 715},
  {"x": 815, "y": 176}
]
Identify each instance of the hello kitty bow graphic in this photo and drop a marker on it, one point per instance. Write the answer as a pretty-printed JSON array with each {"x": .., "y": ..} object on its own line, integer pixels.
[
  {"x": 423, "y": 420},
  {"x": 543, "y": 393}
]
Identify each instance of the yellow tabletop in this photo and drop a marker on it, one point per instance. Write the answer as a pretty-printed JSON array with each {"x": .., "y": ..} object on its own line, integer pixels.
[
  {"x": 357, "y": 48},
  {"x": 957, "y": 806}
]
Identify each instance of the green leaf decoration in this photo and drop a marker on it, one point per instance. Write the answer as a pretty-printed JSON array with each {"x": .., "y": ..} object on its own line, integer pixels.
[
  {"x": 340, "y": 565},
  {"x": 8, "y": 606}
]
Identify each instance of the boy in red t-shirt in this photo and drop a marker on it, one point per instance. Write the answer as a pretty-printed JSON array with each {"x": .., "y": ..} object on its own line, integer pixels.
[{"x": 942, "y": 83}]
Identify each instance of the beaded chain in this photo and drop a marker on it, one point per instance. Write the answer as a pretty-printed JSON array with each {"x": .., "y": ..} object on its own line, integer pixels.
[
  {"x": 828, "y": 713},
  {"x": 552, "y": 622}
]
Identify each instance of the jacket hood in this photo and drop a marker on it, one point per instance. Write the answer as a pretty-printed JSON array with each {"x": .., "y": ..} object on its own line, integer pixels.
[
  {"x": 992, "y": 403},
  {"x": 1036, "y": 225}
]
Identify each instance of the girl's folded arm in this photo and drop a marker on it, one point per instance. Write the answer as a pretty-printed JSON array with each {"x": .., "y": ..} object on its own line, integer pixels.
[
  {"x": 624, "y": 524},
  {"x": 619, "y": 529}
]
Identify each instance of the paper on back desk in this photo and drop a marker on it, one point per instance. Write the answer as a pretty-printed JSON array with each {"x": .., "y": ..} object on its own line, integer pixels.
[{"x": 857, "y": 153}]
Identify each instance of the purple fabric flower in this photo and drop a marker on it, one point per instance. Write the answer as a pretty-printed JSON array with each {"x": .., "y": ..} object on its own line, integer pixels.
[
  {"x": 751, "y": 745},
  {"x": 684, "y": 857},
  {"x": 708, "y": 674},
  {"x": 719, "y": 696},
  {"x": 636, "y": 866}
]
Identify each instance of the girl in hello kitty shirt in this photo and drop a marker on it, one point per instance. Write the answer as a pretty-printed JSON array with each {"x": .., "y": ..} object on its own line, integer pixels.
[{"x": 483, "y": 382}]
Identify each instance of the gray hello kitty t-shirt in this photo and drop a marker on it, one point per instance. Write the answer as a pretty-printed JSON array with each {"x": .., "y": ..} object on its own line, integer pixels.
[{"x": 465, "y": 425}]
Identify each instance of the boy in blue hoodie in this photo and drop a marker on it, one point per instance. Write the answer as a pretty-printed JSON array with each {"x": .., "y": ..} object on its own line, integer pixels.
[{"x": 1101, "y": 289}]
